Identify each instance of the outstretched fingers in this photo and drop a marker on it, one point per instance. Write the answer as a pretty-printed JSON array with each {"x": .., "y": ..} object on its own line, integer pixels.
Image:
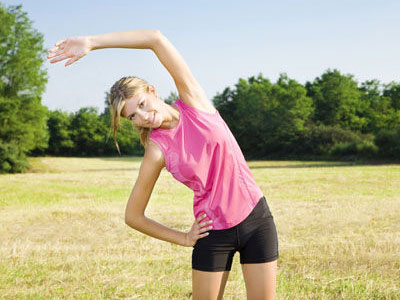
[
  {"x": 58, "y": 46},
  {"x": 71, "y": 61},
  {"x": 59, "y": 58},
  {"x": 60, "y": 42}
]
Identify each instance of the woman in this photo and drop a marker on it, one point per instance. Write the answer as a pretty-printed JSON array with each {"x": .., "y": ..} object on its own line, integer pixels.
[{"x": 195, "y": 145}]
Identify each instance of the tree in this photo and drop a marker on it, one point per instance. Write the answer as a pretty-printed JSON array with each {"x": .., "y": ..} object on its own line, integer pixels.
[
  {"x": 22, "y": 82},
  {"x": 171, "y": 98},
  {"x": 392, "y": 90},
  {"x": 378, "y": 111},
  {"x": 265, "y": 117},
  {"x": 59, "y": 125},
  {"x": 336, "y": 98},
  {"x": 88, "y": 132}
]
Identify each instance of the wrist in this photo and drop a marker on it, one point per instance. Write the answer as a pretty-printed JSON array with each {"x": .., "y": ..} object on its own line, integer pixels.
[
  {"x": 92, "y": 42},
  {"x": 186, "y": 240}
]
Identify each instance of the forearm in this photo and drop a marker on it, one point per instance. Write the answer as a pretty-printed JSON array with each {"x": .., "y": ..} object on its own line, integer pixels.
[
  {"x": 139, "y": 39},
  {"x": 158, "y": 231}
]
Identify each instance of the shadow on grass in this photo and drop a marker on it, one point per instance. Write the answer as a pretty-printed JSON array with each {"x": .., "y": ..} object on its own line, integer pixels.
[
  {"x": 303, "y": 163},
  {"x": 122, "y": 158}
]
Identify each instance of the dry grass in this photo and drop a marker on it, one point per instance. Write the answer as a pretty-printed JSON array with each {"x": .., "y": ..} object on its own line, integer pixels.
[{"x": 62, "y": 234}]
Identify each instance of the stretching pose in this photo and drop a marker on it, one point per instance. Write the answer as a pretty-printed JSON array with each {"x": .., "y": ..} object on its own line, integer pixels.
[{"x": 193, "y": 142}]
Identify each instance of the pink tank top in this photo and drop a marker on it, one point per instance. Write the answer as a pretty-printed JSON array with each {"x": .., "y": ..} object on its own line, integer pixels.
[{"x": 202, "y": 153}]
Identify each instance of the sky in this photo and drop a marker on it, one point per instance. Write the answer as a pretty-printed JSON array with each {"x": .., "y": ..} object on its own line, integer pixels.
[{"x": 221, "y": 41}]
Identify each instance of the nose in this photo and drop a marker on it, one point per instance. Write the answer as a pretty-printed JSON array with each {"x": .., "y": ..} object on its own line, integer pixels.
[{"x": 144, "y": 115}]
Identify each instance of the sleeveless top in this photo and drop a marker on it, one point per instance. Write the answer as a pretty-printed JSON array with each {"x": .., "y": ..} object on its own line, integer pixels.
[{"x": 202, "y": 153}]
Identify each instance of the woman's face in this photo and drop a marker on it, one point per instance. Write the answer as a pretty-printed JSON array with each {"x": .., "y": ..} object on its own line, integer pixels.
[{"x": 143, "y": 110}]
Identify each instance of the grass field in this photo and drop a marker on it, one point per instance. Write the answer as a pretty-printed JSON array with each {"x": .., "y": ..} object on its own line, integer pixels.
[{"x": 63, "y": 236}]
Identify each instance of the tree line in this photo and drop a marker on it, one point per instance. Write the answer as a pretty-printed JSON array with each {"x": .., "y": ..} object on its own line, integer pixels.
[{"x": 332, "y": 117}]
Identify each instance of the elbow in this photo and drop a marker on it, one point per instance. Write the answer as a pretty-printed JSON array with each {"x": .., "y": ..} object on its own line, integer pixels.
[
  {"x": 132, "y": 221},
  {"x": 157, "y": 32},
  {"x": 158, "y": 38},
  {"x": 129, "y": 220}
]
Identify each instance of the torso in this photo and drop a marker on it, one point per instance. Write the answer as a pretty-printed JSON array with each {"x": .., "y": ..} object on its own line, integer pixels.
[
  {"x": 202, "y": 105},
  {"x": 203, "y": 154}
]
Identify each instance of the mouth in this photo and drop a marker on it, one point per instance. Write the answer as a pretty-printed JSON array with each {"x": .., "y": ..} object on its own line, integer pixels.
[{"x": 154, "y": 116}]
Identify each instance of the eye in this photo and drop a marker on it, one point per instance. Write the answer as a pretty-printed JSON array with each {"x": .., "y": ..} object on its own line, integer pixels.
[{"x": 133, "y": 115}]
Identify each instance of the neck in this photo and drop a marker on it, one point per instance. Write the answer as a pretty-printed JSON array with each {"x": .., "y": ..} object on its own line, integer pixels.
[{"x": 172, "y": 117}]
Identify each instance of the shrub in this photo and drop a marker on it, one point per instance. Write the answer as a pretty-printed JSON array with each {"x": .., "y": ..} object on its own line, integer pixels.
[
  {"x": 388, "y": 142},
  {"x": 334, "y": 141}
]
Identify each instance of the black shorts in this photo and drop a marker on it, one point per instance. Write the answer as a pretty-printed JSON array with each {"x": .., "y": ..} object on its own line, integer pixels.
[{"x": 255, "y": 238}]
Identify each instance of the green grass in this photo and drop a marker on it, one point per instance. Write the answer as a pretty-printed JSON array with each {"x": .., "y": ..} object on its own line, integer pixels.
[{"x": 63, "y": 236}]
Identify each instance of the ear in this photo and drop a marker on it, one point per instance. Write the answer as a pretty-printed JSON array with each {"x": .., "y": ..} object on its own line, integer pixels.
[{"x": 153, "y": 90}]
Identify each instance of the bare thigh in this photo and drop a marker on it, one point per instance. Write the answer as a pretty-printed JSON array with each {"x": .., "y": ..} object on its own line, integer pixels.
[
  {"x": 260, "y": 279},
  {"x": 208, "y": 285}
]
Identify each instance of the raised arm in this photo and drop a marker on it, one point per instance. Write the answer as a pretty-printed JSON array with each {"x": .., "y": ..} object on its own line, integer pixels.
[{"x": 188, "y": 88}]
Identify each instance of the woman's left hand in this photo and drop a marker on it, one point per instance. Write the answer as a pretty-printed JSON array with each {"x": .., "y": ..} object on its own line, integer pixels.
[{"x": 197, "y": 231}]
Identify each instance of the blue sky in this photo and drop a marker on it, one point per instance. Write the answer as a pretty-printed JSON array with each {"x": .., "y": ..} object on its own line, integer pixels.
[{"x": 221, "y": 42}]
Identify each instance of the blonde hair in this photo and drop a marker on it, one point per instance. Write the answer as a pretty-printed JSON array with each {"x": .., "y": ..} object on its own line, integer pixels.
[{"x": 123, "y": 89}]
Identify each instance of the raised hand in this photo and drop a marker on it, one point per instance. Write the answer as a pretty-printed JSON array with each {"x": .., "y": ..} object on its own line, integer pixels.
[
  {"x": 196, "y": 232},
  {"x": 73, "y": 48}
]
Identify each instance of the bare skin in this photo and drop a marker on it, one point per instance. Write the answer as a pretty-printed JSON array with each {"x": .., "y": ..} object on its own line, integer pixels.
[
  {"x": 260, "y": 280},
  {"x": 147, "y": 110}
]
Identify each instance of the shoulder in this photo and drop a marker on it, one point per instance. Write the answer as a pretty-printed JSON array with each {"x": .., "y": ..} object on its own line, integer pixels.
[
  {"x": 197, "y": 98},
  {"x": 149, "y": 171},
  {"x": 154, "y": 155}
]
